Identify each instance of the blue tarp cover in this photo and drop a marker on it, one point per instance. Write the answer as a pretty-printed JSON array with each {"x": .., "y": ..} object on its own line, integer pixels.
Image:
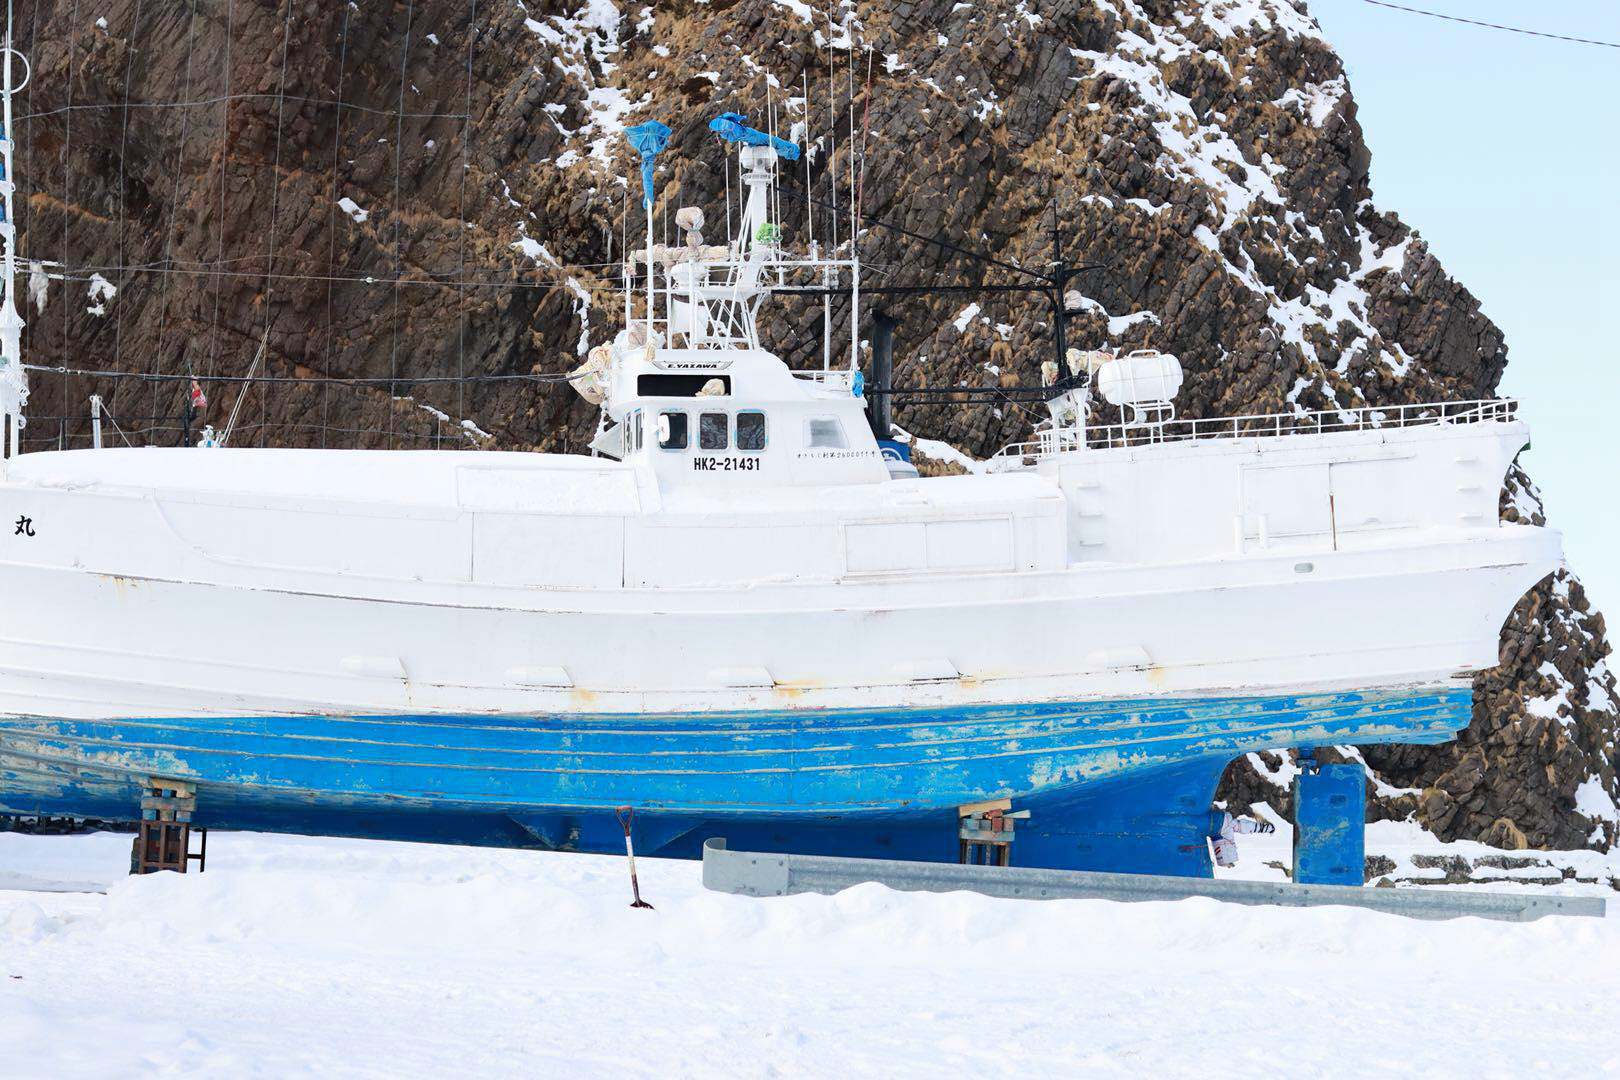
[
  {"x": 648, "y": 140},
  {"x": 731, "y": 127}
]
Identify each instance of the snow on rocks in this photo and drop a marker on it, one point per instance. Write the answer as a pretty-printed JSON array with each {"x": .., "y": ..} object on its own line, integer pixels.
[
  {"x": 1247, "y": 190},
  {"x": 582, "y": 308},
  {"x": 100, "y": 291},
  {"x": 1521, "y": 499},
  {"x": 533, "y": 249},
  {"x": 1596, "y": 802},
  {"x": 474, "y": 435},
  {"x": 952, "y": 458},
  {"x": 799, "y": 9},
  {"x": 39, "y": 284},
  {"x": 583, "y": 46}
]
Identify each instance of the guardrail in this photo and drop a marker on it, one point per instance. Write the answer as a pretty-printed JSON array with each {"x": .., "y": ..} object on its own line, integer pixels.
[
  {"x": 749, "y": 873},
  {"x": 840, "y": 379},
  {"x": 1267, "y": 425}
]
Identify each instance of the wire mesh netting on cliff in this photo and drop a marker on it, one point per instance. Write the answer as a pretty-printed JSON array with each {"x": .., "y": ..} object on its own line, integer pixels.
[{"x": 338, "y": 180}]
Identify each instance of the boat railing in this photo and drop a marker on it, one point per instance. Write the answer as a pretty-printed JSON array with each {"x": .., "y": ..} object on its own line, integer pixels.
[
  {"x": 1049, "y": 441},
  {"x": 841, "y": 380}
]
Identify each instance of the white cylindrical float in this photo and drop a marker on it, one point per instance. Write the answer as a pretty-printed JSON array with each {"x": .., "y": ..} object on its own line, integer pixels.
[{"x": 1140, "y": 378}]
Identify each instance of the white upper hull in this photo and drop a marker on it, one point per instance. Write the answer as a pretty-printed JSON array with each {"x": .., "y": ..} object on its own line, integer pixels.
[{"x": 179, "y": 583}]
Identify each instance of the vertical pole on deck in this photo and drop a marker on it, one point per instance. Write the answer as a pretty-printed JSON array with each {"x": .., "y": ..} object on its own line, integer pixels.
[
  {"x": 649, "y": 272},
  {"x": 880, "y": 405},
  {"x": 826, "y": 314},
  {"x": 13, "y": 380}
]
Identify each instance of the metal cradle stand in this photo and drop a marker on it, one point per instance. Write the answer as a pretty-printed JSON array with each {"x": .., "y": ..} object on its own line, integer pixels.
[
  {"x": 987, "y": 831},
  {"x": 164, "y": 839}
]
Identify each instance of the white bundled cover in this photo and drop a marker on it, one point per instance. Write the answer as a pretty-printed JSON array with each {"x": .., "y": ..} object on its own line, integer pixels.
[
  {"x": 670, "y": 255},
  {"x": 1088, "y": 360},
  {"x": 590, "y": 379},
  {"x": 689, "y": 219},
  {"x": 1139, "y": 378}
]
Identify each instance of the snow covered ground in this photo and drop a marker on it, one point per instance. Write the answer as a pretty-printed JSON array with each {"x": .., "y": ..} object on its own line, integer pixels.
[{"x": 298, "y": 956}]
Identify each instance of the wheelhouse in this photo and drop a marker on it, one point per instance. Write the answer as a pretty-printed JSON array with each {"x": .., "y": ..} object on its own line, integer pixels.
[{"x": 741, "y": 414}]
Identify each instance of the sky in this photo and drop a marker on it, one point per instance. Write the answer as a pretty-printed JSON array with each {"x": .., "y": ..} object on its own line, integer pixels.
[{"x": 1502, "y": 151}]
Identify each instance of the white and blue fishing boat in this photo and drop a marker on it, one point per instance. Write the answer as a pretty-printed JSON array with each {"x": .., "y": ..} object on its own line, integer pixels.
[{"x": 738, "y": 615}]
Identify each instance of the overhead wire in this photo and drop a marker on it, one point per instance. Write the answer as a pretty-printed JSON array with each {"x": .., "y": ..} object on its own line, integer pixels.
[
  {"x": 461, "y": 213},
  {"x": 174, "y": 210},
  {"x": 67, "y": 161},
  {"x": 275, "y": 201},
  {"x": 224, "y": 165},
  {"x": 123, "y": 155},
  {"x": 399, "y": 149},
  {"x": 341, "y": 380},
  {"x": 227, "y": 98},
  {"x": 332, "y": 211},
  {"x": 1494, "y": 26}
]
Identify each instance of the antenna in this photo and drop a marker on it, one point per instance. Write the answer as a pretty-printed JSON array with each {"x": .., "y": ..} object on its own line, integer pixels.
[
  {"x": 859, "y": 204},
  {"x": 771, "y": 213},
  {"x": 809, "y": 141},
  {"x": 648, "y": 140},
  {"x": 832, "y": 203},
  {"x": 854, "y": 231},
  {"x": 866, "y": 132},
  {"x": 832, "y": 148},
  {"x": 13, "y": 380},
  {"x": 627, "y": 273}
]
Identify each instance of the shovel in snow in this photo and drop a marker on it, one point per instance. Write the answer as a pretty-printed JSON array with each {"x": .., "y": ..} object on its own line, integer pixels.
[{"x": 625, "y": 815}]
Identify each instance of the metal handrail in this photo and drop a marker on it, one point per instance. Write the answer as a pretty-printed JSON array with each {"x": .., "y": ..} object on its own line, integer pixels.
[
  {"x": 835, "y": 378},
  {"x": 1266, "y": 425}
]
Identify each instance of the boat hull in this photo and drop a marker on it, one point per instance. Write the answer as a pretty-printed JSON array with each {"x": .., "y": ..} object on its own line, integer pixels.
[{"x": 1120, "y": 784}]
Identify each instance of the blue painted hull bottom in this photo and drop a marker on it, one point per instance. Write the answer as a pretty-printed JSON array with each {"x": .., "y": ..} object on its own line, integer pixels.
[{"x": 1121, "y": 786}]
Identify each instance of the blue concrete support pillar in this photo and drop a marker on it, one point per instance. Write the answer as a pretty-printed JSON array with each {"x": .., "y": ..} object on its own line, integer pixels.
[{"x": 1330, "y": 831}]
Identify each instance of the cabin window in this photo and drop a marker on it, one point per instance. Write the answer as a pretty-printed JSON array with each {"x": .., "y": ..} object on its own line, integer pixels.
[
  {"x": 714, "y": 430},
  {"x": 632, "y": 431},
  {"x": 824, "y": 433},
  {"x": 750, "y": 431},
  {"x": 673, "y": 385},
  {"x": 672, "y": 431}
]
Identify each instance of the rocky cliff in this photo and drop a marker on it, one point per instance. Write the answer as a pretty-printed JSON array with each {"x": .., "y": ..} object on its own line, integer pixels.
[{"x": 434, "y": 188}]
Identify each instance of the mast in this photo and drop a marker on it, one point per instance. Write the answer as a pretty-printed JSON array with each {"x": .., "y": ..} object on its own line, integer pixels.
[
  {"x": 854, "y": 232},
  {"x": 647, "y": 140},
  {"x": 13, "y": 380}
]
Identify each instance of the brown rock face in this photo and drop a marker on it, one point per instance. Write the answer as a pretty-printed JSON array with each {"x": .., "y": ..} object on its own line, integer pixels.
[{"x": 435, "y": 189}]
